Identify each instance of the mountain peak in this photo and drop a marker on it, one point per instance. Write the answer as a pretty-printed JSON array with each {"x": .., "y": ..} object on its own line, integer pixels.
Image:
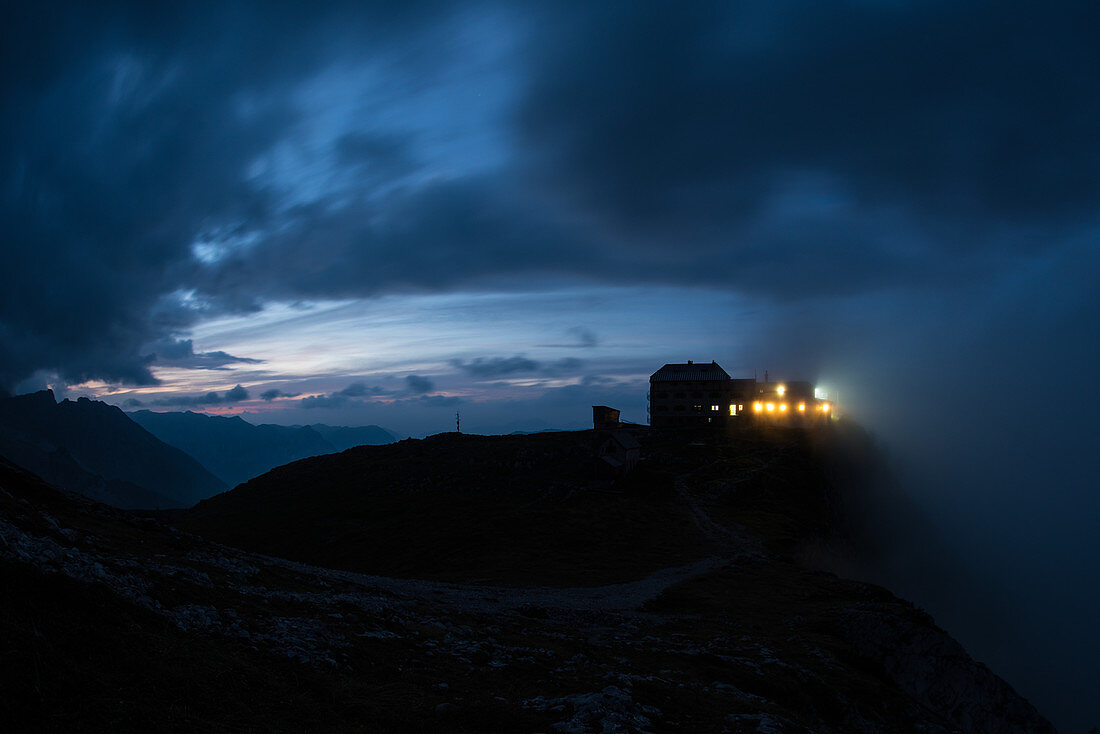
[{"x": 39, "y": 398}]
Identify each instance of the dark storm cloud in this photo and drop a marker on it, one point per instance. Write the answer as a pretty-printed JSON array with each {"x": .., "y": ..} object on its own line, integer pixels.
[
  {"x": 128, "y": 133},
  {"x": 799, "y": 148},
  {"x": 162, "y": 167}
]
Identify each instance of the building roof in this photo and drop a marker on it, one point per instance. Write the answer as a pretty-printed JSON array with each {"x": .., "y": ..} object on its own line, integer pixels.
[
  {"x": 625, "y": 440},
  {"x": 690, "y": 372}
]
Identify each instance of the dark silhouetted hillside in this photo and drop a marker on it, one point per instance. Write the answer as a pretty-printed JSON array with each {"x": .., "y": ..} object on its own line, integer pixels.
[
  {"x": 94, "y": 447},
  {"x": 113, "y": 621},
  {"x": 457, "y": 506}
]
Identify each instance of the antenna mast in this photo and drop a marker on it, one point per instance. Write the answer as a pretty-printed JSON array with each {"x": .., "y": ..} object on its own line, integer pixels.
[{"x": 458, "y": 422}]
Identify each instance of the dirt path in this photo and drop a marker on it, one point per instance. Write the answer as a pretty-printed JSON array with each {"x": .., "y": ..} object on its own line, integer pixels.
[{"x": 488, "y": 599}]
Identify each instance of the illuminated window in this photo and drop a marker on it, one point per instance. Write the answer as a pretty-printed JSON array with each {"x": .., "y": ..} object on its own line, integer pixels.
[
  {"x": 697, "y": 408},
  {"x": 733, "y": 410},
  {"x": 740, "y": 407},
  {"x": 714, "y": 408}
]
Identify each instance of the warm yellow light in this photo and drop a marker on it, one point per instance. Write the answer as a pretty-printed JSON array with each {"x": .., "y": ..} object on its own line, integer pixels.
[
  {"x": 825, "y": 408},
  {"x": 733, "y": 410},
  {"x": 782, "y": 407},
  {"x": 802, "y": 407},
  {"x": 771, "y": 407},
  {"x": 758, "y": 407},
  {"x": 781, "y": 390}
]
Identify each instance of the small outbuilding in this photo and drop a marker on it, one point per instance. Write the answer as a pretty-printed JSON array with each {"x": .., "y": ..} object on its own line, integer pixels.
[
  {"x": 619, "y": 451},
  {"x": 605, "y": 418}
]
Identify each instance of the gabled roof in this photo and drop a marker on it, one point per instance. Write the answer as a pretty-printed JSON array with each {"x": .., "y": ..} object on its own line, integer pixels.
[
  {"x": 690, "y": 372},
  {"x": 624, "y": 439}
]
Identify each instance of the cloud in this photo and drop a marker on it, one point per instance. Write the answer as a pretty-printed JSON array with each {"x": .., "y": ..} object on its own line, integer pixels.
[
  {"x": 565, "y": 365},
  {"x": 235, "y": 395},
  {"x": 354, "y": 390},
  {"x": 272, "y": 394},
  {"x": 493, "y": 367},
  {"x": 324, "y": 401},
  {"x": 180, "y": 353},
  {"x": 585, "y": 337},
  {"x": 232, "y": 395},
  {"x": 417, "y": 384}
]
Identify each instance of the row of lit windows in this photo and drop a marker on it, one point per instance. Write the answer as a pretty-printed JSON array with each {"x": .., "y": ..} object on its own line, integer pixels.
[
  {"x": 758, "y": 407},
  {"x": 761, "y": 407}
]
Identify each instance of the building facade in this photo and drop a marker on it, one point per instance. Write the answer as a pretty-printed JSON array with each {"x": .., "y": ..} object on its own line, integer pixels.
[{"x": 701, "y": 394}]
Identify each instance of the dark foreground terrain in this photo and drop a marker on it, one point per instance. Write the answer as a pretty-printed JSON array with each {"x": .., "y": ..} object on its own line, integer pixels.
[{"x": 515, "y": 599}]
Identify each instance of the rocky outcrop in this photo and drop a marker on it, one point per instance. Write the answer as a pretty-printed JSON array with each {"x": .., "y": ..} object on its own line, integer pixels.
[{"x": 932, "y": 667}]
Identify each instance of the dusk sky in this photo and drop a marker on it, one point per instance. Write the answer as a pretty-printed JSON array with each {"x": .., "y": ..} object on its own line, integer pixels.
[{"x": 359, "y": 214}]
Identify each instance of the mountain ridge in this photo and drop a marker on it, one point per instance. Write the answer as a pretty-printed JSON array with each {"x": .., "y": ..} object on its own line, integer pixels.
[
  {"x": 236, "y": 450},
  {"x": 96, "y": 446}
]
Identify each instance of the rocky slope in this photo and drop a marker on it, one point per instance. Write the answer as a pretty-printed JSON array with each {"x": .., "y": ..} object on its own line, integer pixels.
[{"x": 125, "y": 623}]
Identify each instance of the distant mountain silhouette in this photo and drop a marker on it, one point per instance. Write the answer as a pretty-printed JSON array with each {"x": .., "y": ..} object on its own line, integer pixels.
[
  {"x": 236, "y": 450},
  {"x": 94, "y": 448},
  {"x": 345, "y": 437}
]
